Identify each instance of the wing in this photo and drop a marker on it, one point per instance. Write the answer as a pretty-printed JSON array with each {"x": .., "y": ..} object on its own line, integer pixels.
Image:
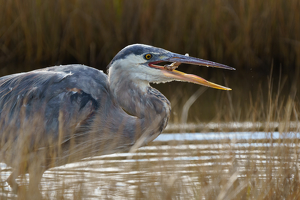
[{"x": 50, "y": 101}]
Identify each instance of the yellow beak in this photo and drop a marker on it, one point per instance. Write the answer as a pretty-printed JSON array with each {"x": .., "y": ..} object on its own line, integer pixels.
[
  {"x": 177, "y": 59},
  {"x": 180, "y": 76}
]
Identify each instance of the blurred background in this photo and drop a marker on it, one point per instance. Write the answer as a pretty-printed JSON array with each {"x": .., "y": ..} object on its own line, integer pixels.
[{"x": 261, "y": 39}]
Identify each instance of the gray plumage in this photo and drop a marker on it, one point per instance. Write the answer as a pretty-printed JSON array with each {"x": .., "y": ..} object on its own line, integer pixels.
[{"x": 70, "y": 112}]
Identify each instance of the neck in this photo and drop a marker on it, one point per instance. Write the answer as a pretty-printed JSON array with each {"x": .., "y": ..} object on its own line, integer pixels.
[
  {"x": 139, "y": 99},
  {"x": 149, "y": 113}
]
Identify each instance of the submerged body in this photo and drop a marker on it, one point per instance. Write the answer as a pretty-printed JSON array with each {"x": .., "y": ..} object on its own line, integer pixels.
[{"x": 57, "y": 115}]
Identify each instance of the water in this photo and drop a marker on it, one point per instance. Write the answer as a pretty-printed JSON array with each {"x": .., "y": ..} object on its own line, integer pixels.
[
  {"x": 227, "y": 135},
  {"x": 180, "y": 156}
]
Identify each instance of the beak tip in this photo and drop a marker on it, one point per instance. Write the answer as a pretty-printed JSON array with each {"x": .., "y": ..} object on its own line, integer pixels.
[
  {"x": 230, "y": 68},
  {"x": 225, "y": 88}
]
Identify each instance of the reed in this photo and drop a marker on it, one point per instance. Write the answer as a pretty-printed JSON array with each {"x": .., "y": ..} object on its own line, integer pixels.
[
  {"x": 245, "y": 34},
  {"x": 256, "y": 37},
  {"x": 249, "y": 35},
  {"x": 207, "y": 169}
]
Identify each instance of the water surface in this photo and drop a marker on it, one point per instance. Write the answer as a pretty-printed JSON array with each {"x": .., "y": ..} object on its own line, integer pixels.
[{"x": 182, "y": 155}]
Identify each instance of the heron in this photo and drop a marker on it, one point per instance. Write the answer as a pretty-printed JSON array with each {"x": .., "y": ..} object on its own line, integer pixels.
[{"x": 62, "y": 114}]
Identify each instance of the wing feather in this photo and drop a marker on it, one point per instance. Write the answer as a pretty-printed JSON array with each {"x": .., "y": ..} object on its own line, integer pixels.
[{"x": 50, "y": 100}]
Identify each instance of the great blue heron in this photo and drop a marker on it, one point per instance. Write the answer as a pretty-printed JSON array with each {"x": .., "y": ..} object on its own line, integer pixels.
[{"x": 57, "y": 115}]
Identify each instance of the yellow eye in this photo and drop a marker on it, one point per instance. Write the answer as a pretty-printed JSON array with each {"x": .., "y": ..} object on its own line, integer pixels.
[{"x": 148, "y": 56}]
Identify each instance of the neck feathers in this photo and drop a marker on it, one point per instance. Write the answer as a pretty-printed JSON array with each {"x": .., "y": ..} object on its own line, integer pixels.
[{"x": 139, "y": 99}]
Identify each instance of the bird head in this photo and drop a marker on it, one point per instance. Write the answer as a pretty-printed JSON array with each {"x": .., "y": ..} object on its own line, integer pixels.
[{"x": 142, "y": 63}]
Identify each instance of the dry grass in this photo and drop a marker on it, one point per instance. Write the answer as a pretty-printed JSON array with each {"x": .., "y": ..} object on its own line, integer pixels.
[
  {"x": 207, "y": 169},
  {"x": 248, "y": 35},
  {"x": 244, "y": 34}
]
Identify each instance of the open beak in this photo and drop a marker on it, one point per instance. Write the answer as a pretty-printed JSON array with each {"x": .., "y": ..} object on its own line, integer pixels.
[{"x": 177, "y": 59}]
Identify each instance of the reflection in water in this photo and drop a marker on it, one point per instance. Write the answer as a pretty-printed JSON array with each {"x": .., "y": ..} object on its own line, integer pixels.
[{"x": 181, "y": 158}]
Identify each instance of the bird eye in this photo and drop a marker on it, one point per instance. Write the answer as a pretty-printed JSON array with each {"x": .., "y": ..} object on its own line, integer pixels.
[{"x": 148, "y": 56}]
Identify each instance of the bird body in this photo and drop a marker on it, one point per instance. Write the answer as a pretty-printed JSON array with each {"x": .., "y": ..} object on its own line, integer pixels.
[
  {"x": 74, "y": 99},
  {"x": 61, "y": 114}
]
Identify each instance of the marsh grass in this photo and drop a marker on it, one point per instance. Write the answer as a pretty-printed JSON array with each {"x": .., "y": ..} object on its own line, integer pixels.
[
  {"x": 243, "y": 34},
  {"x": 248, "y": 34},
  {"x": 204, "y": 169}
]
